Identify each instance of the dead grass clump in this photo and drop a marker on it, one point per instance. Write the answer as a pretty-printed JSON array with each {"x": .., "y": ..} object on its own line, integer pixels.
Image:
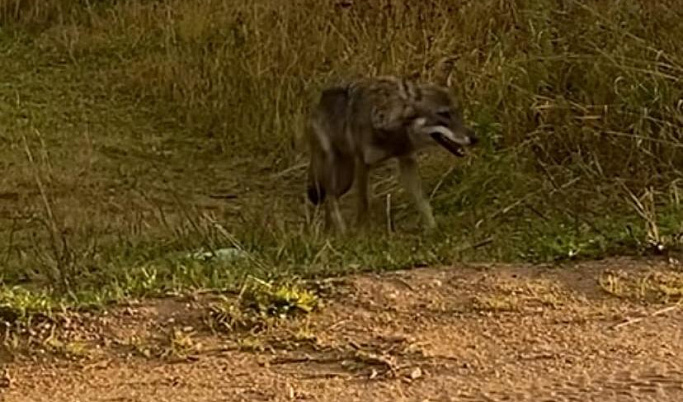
[{"x": 651, "y": 287}]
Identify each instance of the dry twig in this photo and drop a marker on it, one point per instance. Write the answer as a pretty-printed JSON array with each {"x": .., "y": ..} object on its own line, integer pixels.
[{"x": 631, "y": 321}]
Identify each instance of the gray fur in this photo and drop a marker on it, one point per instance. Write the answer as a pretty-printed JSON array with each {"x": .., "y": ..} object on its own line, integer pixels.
[{"x": 357, "y": 126}]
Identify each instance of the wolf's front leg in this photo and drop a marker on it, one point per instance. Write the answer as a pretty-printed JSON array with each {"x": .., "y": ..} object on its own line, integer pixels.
[
  {"x": 363, "y": 193},
  {"x": 412, "y": 183},
  {"x": 333, "y": 215}
]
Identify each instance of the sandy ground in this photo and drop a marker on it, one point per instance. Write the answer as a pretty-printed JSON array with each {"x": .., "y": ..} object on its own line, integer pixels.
[{"x": 599, "y": 331}]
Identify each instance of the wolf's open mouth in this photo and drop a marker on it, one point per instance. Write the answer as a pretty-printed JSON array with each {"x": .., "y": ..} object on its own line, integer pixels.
[{"x": 451, "y": 146}]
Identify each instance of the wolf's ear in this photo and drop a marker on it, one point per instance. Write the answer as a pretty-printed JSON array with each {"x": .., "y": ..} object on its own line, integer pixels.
[{"x": 444, "y": 71}]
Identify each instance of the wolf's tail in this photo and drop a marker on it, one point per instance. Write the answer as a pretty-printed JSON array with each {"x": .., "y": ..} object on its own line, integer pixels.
[
  {"x": 316, "y": 193},
  {"x": 333, "y": 176},
  {"x": 316, "y": 190}
]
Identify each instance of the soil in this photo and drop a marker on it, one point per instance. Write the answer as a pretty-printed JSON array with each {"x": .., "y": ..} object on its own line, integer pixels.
[{"x": 595, "y": 331}]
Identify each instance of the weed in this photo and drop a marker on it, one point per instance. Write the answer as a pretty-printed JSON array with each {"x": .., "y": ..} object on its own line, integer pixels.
[
  {"x": 19, "y": 305},
  {"x": 279, "y": 301},
  {"x": 179, "y": 345},
  {"x": 69, "y": 350},
  {"x": 261, "y": 305}
]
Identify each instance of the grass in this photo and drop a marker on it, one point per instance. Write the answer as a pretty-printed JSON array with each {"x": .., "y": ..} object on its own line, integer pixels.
[
  {"x": 649, "y": 287},
  {"x": 136, "y": 132}
]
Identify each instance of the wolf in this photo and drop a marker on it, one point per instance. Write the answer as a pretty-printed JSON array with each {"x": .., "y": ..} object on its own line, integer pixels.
[{"x": 360, "y": 124}]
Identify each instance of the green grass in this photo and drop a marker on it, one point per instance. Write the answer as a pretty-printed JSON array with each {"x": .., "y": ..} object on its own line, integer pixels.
[{"x": 124, "y": 122}]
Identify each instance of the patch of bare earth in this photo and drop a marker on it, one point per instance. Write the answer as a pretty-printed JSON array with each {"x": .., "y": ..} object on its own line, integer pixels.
[{"x": 601, "y": 331}]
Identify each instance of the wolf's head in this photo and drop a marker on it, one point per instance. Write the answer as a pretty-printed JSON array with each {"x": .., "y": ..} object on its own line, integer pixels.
[{"x": 436, "y": 116}]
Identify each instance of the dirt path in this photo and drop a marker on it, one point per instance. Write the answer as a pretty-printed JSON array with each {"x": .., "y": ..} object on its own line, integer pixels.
[{"x": 497, "y": 333}]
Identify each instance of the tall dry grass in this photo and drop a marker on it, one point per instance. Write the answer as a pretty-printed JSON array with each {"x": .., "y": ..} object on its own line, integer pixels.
[
  {"x": 579, "y": 103},
  {"x": 593, "y": 83}
]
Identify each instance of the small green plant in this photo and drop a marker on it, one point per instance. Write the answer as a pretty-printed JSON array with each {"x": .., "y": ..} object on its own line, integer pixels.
[
  {"x": 20, "y": 305},
  {"x": 283, "y": 301},
  {"x": 260, "y": 305}
]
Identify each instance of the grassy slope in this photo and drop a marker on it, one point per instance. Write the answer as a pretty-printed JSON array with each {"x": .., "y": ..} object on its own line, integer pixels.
[{"x": 121, "y": 121}]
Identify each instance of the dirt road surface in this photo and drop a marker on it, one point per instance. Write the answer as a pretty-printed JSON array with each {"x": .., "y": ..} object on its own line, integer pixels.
[{"x": 599, "y": 331}]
